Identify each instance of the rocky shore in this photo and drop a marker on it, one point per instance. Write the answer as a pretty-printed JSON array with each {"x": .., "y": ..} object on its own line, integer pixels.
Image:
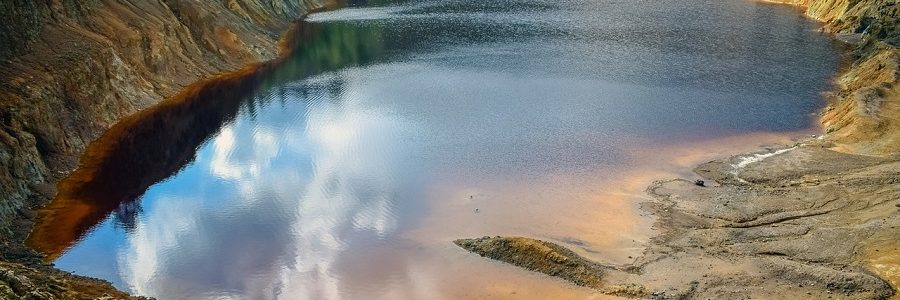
[
  {"x": 71, "y": 69},
  {"x": 816, "y": 220}
]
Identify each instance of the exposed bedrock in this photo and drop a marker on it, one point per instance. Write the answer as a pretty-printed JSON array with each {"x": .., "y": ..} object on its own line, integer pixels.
[
  {"x": 71, "y": 69},
  {"x": 863, "y": 115}
]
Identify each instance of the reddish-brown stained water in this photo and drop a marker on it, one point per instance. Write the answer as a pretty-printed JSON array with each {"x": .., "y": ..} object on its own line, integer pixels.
[
  {"x": 118, "y": 167},
  {"x": 346, "y": 169}
]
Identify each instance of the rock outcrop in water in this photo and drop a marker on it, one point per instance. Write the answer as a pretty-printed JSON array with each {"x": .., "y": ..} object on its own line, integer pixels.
[
  {"x": 538, "y": 256},
  {"x": 71, "y": 69},
  {"x": 816, "y": 220}
]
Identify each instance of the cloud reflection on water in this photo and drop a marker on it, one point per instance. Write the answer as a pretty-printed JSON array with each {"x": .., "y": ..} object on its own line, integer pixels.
[
  {"x": 308, "y": 191},
  {"x": 331, "y": 175}
]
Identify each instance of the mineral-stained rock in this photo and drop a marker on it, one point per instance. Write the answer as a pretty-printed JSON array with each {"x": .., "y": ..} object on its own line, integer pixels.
[{"x": 69, "y": 69}]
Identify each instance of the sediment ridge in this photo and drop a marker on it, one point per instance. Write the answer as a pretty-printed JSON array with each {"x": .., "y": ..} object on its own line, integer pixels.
[
  {"x": 814, "y": 220},
  {"x": 71, "y": 69}
]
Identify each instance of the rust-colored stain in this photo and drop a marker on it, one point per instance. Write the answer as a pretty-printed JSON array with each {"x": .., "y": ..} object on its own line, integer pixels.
[
  {"x": 147, "y": 147},
  {"x": 137, "y": 152}
]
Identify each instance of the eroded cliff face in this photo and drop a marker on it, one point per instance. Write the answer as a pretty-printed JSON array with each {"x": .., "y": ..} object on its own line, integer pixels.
[
  {"x": 864, "y": 116},
  {"x": 70, "y": 69},
  {"x": 874, "y": 18}
]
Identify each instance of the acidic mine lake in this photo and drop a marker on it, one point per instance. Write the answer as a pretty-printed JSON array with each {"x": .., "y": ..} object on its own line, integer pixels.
[{"x": 347, "y": 169}]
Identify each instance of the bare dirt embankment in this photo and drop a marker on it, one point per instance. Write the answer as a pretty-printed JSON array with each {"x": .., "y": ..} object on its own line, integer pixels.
[
  {"x": 818, "y": 219},
  {"x": 71, "y": 69}
]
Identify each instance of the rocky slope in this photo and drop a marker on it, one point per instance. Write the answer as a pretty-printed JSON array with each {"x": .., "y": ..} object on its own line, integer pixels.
[
  {"x": 816, "y": 220},
  {"x": 69, "y": 69},
  {"x": 864, "y": 116},
  {"x": 73, "y": 68}
]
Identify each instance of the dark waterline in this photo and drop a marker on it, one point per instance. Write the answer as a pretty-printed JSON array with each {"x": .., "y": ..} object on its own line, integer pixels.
[
  {"x": 107, "y": 179},
  {"x": 286, "y": 179}
]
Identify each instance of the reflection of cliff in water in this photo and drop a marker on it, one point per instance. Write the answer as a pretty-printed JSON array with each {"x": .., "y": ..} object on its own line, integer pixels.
[{"x": 156, "y": 143}]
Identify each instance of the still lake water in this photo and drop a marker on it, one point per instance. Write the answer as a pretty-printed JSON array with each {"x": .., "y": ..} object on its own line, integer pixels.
[{"x": 347, "y": 170}]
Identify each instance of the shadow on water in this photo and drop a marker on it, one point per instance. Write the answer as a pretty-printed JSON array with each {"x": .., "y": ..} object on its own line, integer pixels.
[{"x": 154, "y": 144}]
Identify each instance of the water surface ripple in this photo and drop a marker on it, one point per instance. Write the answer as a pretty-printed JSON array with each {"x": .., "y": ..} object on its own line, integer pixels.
[{"x": 346, "y": 170}]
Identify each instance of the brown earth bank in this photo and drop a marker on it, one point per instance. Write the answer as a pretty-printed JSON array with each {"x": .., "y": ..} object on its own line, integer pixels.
[
  {"x": 815, "y": 220},
  {"x": 71, "y": 69}
]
